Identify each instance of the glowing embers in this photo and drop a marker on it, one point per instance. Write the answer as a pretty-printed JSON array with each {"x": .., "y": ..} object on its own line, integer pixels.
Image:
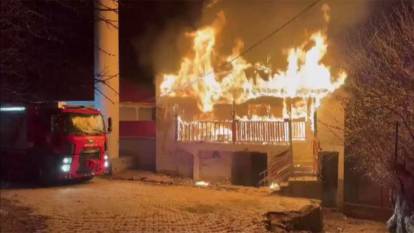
[
  {"x": 274, "y": 187},
  {"x": 201, "y": 183},
  {"x": 241, "y": 130}
]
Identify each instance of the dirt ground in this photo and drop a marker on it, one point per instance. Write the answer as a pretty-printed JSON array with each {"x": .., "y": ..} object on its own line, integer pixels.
[
  {"x": 335, "y": 222},
  {"x": 105, "y": 205}
]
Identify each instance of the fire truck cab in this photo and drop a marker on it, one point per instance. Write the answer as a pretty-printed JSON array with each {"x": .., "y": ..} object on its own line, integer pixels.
[{"x": 52, "y": 142}]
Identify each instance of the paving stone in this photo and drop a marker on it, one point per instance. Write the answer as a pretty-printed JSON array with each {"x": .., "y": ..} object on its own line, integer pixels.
[{"x": 129, "y": 206}]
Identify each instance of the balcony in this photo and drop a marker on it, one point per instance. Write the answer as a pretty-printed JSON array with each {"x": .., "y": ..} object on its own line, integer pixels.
[{"x": 240, "y": 131}]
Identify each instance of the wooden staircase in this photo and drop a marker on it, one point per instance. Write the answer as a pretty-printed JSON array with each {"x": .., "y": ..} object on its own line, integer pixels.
[
  {"x": 279, "y": 169},
  {"x": 304, "y": 181},
  {"x": 285, "y": 168}
]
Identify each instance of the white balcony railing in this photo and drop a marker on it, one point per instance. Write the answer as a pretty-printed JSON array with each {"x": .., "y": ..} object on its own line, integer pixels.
[{"x": 238, "y": 131}]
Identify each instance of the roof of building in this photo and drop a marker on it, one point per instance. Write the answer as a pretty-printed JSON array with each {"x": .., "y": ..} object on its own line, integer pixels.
[{"x": 80, "y": 110}]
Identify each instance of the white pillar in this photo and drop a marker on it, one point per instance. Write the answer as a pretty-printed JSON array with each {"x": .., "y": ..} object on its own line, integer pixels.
[{"x": 107, "y": 67}]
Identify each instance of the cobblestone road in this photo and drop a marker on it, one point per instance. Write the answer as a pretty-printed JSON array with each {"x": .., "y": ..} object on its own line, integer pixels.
[{"x": 129, "y": 206}]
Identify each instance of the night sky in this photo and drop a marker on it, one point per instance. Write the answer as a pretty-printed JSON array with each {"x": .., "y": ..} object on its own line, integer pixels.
[
  {"x": 55, "y": 54},
  {"x": 141, "y": 23},
  {"x": 46, "y": 50}
]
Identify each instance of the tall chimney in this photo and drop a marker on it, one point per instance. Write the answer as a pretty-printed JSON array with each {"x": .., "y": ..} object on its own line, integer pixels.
[{"x": 107, "y": 68}]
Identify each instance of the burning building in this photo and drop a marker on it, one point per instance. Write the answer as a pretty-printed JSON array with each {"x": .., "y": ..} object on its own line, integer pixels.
[{"x": 224, "y": 119}]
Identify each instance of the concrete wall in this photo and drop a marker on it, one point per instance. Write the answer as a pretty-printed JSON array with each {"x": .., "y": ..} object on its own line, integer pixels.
[
  {"x": 166, "y": 159},
  {"x": 303, "y": 152},
  {"x": 330, "y": 132},
  {"x": 121, "y": 164},
  {"x": 219, "y": 166},
  {"x": 170, "y": 158},
  {"x": 141, "y": 149},
  {"x": 207, "y": 161},
  {"x": 215, "y": 165},
  {"x": 176, "y": 163}
]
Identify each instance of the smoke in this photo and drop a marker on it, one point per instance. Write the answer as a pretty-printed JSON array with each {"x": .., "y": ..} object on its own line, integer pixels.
[
  {"x": 211, "y": 3},
  {"x": 152, "y": 36},
  {"x": 248, "y": 22}
]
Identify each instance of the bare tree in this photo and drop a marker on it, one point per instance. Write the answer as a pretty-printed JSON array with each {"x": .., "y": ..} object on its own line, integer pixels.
[
  {"x": 381, "y": 88},
  {"x": 20, "y": 26},
  {"x": 41, "y": 56}
]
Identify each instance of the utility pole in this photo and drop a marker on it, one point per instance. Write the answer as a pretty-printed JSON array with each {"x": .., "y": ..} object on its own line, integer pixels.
[{"x": 106, "y": 67}]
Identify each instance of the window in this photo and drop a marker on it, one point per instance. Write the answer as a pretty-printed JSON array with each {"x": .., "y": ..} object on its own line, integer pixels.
[
  {"x": 146, "y": 114},
  {"x": 136, "y": 113},
  {"x": 84, "y": 124},
  {"x": 128, "y": 113}
]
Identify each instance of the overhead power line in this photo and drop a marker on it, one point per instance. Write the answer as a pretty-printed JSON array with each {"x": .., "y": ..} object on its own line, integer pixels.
[{"x": 276, "y": 30}]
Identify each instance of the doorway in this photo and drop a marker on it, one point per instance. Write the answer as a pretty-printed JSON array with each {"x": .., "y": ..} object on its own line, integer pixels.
[{"x": 247, "y": 167}]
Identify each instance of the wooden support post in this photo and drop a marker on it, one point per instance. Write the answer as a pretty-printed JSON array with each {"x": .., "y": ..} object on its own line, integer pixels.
[
  {"x": 190, "y": 131},
  {"x": 290, "y": 133},
  {"x": 315, "y": 124},
  {"x": 204, "y": 135},
  {"x": 233, "y": 127},
  {"x": 176, "y": 128}
]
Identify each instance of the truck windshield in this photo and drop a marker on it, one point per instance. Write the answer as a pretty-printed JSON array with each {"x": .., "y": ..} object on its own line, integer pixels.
[{"x": 84, "y": 124}]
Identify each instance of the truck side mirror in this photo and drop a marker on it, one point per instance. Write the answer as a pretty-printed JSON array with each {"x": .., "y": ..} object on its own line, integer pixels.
[{"x": 109, "y": 124}]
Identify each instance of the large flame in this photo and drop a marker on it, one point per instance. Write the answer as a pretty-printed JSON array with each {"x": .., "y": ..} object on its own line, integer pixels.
[{"x": 305, "y": 76}]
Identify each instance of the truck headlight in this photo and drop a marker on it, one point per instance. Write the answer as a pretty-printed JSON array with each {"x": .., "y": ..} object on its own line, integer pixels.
[
  {"x": 65, "y": 168},
  {"x": 106, "y": 160},
  {"x": 67, "y": 160}
]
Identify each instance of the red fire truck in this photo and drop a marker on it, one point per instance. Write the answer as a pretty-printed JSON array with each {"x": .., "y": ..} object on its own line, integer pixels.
[{"x": 52, "y": 142}]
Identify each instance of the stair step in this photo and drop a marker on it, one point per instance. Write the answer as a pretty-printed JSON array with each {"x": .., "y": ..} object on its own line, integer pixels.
[
  {"x": 298, "y": 174},
  {"x": 303, "y": 163},
  {"x": 303, "y": 186},
  {"x": 295, "y": 175},
  {"x": 303, "y": 178},
  {"x": 303, "y": 169}
]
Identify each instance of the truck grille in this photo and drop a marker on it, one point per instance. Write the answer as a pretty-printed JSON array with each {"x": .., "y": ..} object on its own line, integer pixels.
[{"x": 86, "y": 155}]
